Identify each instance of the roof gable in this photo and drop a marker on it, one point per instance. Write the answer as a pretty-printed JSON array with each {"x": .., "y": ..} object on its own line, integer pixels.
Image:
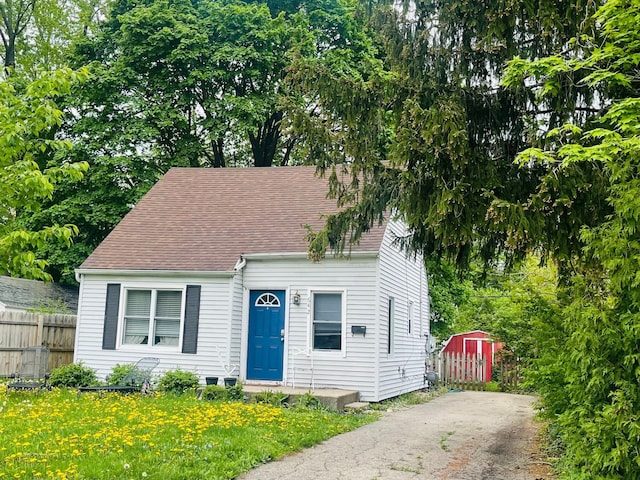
[{"x": 203, "y": 219}]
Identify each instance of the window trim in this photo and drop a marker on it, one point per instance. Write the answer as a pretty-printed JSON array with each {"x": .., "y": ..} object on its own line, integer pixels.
[
  {"x": 391, "y": 325},
  {"x": 343, "y": 321},
  {"x": 154, "y": 289},
  {"x": 410, "y": 317}
]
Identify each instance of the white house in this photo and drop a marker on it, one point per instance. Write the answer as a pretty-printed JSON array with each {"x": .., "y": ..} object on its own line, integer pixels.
[{"x": 210, "y": 273}]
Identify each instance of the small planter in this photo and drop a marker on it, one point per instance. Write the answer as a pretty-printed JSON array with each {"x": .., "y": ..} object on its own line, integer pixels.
[
  {"x": 230, "y": 381},
  {"x": 211, "y": 380}
]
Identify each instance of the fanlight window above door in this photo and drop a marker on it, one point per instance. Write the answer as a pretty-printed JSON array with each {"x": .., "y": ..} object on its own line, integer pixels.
[{"x": 267, "y": 300}]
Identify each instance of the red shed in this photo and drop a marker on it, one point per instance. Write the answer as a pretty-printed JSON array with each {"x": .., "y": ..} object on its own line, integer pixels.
[{"x": 477, "y": 344}]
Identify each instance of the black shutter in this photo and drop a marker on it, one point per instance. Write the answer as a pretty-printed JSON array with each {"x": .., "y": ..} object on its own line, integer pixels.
[
  {"x": 111, "y": 308},
  {"x": 191, "y": 318}
]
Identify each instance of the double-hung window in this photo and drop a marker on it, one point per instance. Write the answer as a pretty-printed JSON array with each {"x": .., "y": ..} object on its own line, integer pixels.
[
  {"x": 327, "y": 321},
  {"x": 152, "y": 317}
]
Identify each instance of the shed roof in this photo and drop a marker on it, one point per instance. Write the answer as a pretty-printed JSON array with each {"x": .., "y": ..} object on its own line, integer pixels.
[
  {"x": 22, "y": 294},
  {"x": 203, "y": 219}
]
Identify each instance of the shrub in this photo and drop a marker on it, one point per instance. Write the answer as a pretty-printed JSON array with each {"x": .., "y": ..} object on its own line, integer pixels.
[
  {"x": 215, "y": 393},
  {"x": 493, "y": 387},
  {"x": 73, "y": 375},
  {"x": 235, "y": 392},
  {"x": 178, "y": 381},
  {"x": 116, "y": 377},
  {"x": 308, "y": 400},
  {"x": 277, "y": 399}
]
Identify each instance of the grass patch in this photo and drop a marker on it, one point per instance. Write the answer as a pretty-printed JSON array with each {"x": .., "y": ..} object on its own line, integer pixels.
[
  {"x": 61, "y": 435},
  {"x": 443, "y": 441},
  {"x": 408, "y": 399}
]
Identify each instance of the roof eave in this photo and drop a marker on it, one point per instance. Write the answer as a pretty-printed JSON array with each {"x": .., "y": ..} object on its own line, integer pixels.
[
  {"x": 305, "y": 255},
  {"x": 156, "y": 273}
]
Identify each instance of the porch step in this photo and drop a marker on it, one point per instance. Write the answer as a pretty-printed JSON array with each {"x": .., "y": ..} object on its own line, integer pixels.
[{"x": 334, "y": 398}]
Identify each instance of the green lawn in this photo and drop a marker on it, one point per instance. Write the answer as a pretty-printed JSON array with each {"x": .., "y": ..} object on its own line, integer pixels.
[{"x": 61, "y": 435}]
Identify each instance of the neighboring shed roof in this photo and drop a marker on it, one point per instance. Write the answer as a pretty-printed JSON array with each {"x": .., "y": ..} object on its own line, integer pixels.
[
  {"x": 203, "y": 219},
  {"x": 21, "y": 294}
]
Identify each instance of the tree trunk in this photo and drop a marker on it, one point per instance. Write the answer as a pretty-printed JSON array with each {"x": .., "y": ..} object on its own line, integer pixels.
[
  {"x": 10, "y": 53},
  {"x": 265, "y": 141},
  {"x": 15, "y": 19},
  {"x": 218, "y": 153}
]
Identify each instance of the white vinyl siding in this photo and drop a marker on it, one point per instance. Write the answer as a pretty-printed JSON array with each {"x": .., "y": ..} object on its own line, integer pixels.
[
  {"x": 402, "y": 277},
  {"x": 352, "y": 367},
  {"x": 212, "y": 355}
]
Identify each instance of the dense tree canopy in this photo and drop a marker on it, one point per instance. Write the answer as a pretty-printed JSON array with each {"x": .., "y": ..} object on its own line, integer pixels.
[
  {"x": 435, "y": 139},
  {"x": 181, "y": 83},
  {"x": 596, "y": 389}
]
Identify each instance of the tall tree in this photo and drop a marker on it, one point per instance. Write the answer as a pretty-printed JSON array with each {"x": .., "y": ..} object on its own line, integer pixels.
[
  {"x": 37, "y": 34},
  {"x": 180, "y": 83},
  {"x": 596, "y": 390},
  {"x": 27, "y": 114},
  {"x": 202, "y": 79},
  {"x": 16, "y": 16},
  {"x": 436, "y": 138}
]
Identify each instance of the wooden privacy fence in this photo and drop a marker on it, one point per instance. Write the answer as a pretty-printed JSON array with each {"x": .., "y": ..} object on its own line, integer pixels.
[
  {"x": 459, "y": 370},
  {"x": 19, "y": 330}
]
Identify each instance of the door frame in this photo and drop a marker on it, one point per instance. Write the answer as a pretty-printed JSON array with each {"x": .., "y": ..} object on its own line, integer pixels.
[{"x": 244, "y": 348}]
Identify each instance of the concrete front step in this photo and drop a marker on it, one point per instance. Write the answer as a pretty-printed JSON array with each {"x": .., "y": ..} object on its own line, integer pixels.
[{"x": 334, "y": 398}]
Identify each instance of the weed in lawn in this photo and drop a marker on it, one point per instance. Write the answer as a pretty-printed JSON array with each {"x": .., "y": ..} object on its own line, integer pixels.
[
  {"x": 61, "y": 435},
  {"x": 443, "y": 441}
]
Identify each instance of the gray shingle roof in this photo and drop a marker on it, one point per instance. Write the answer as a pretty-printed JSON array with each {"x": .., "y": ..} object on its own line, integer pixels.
[
  {"x": 18, "y": 293},
  {"x": 200, "y": 219}
]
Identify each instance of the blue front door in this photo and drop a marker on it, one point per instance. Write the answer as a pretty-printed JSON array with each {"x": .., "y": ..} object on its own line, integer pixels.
[{"x": 266, "y": 335}]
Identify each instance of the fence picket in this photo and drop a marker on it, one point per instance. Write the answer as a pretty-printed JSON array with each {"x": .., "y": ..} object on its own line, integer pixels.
[
  {"x": 19, "y": 330},
  {"x": 462, "y": 371}
]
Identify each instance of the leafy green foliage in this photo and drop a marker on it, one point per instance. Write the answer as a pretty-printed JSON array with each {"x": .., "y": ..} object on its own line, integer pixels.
[
  {"x": 235, "y": 393},
  {"x": 51, "y": 27},
  {"x": 187, "y": 83},
  {"x": 308, "y": 400},
  {"x": 119, "y": 372},
  {"x": 178, "y": 381},
  {"x": 28, "y": 117},
  {"x": 592, "y": 387},
  {"x": 432, "y": 136},
  {"x": 73, "y": 375},
  {"x": 268, "y": 397},
  {"x": 448, "y": 293},
  {"x": 215, "y": 393}
]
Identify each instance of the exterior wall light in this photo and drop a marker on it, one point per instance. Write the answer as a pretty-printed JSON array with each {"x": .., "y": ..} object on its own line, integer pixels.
[{"x": 296, "y": 298}]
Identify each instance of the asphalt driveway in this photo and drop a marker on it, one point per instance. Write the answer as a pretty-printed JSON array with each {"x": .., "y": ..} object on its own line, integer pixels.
[{"x": 457, "y": 436}]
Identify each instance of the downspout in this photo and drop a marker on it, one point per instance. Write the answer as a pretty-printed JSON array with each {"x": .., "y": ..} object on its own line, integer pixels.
[
  {"x": 79, "y": 278},
  {"x": 239, "y": 269},
  {"x": 240, "y": 264}
]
